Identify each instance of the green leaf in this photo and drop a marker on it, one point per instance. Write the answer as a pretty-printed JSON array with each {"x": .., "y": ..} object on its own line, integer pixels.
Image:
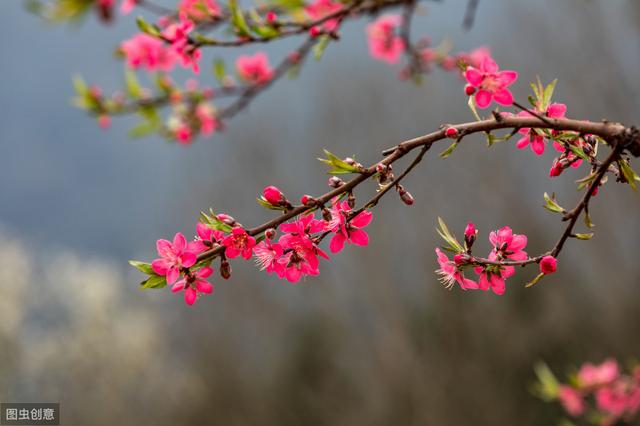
[
  {"x": 579, "y": 152},
  {"x": 237, "y": 19},
  {"x": 147, "y": 28},
  {"x": 154, "y": 281},
  {"x": 447, "y": 152},
  {"x": 264, "y": 203},
  {"x": 450, "y": 239},
  {"x": 219, "y": 70},
  {"x": 534, "y": 281},
  {"x": 587, "y": 220},
  {"x": 338, "y": 166},
  {"x": 142, "y": 129},
  {"x": 551, "y": 205},
  {"x": 213, "y": 222},
  {"x": 142, "y": 267},
  {"x": 628, "y": 173},
  {"x": 547, "y": 94},
  {"x": 583, "y": 236},
  {"x": 321, "y": 46},
  {"x": 547, "y": 386},
  {"x": 79, "y": 85},
  {"x": 134, "y": 90}
]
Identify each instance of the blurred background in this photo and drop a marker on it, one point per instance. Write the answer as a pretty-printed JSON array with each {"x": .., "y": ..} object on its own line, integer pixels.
[{"x": 375, "y": 340}]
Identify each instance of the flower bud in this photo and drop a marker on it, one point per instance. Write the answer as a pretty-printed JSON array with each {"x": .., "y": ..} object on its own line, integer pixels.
[
  {"x": 461, "y": 259},
  {"x": 351, "y": 200},
  {"x": 226, "y": 219},
  {"x": 451, "y": 132},
  {"x": 314, "y": 31},
  {"x": 470, "y": 233},
  {"x": 273, "y": 195},
  {"x": 381, "y": 168},
  {"x": 270, "y": 233},
  {"x": 405, "y": 195},
  {"x": 335, "y": 182},
  {"x": 326, "y": 214},
  {"x": 548, "y": 265},
  {"x": 104, "y": 121},
  {"x": 469, "y": 90},
  {"x": 271, "y": 17},
  {"x": 556, "y": 168},
  {"x": 225, "y": 269},
  {"x": 307, "y": 200}
]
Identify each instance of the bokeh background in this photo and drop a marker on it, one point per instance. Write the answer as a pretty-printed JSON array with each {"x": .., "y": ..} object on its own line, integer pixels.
[{"x": 375, "y": 340}]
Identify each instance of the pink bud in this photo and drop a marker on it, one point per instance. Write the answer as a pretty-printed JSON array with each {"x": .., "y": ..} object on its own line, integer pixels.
[
  {"x": 104, "y": 121},
  {"x": 273, "y": 195},
  {"x": 470, "y": 230},
  {"x": 226, "y": 219},
  {"x": 270, "y": 233},
  {"x": 381, "y": 168},
  {"x": 271, "y": 17},
  {"x": 469, "y": 90},
  {"x": 314, "y": 32},
  {"x": 460, "y": 259},
  {"x": 335, "y": 182},
  {"x": 451, "y": 132},
  {"x": 294, "y": 57},
  {"x": 548, "y": 265},
  {"x": 306, "y": 200},
  {"x": 406, "y": 197},
  {"x": 225, "y": 269},
  {"x": 556, "y": 169}
]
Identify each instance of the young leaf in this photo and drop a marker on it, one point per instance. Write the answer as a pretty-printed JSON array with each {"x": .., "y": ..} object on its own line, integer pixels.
[
  {"x": 237, "y": 19},
  {"x": 321, "y": 46},
  {"x": 147, "y": 28},
  {"x": 219, "y": 70},
  {"x": 154, "y": 281},
  {"x": 630, "y": 176},
  {"x": 338, "y": 166},
  {"x": 534, "y": 281},
  {"x": 134, "y": 90},
  {"x": 583, "y": 236},
  {"x": 450, "y": 239},
  {"x": 213, "y": 222},
  {"x": 551, "y": 205},
  {"x": 142, "y": 267},
  {"x": 447, "y": 152},
  {"x": 547, "y": 386}
]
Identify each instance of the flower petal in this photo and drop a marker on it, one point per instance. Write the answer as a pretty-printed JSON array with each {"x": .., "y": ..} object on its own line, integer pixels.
[
  {"x": 503, "y": 97},
  {"x": 483, "y": 98}
]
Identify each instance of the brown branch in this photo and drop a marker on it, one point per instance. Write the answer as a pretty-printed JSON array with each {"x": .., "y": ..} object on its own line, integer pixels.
[{"x": 606, "y": 130}]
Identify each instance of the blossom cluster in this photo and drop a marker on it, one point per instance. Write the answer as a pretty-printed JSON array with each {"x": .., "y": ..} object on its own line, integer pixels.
[
  {"x": 293, "y": 255},
  {"x": 601, "y": 393},
  {"x": 491, "y": 272}
]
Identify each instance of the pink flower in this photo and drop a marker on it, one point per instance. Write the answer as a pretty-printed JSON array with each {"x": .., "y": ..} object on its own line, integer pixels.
[
  {"x": 273, "y": 195},
  {"x": 492, "y": 277},
  {"x": 143, "y": 50},
  {"x": 613, "y": 399},
  {"x": 177, "y": 33},
  {"x": 239, "y": 243},
  {"x": 268, "y": 257},
  {"x": 207, "y": 117},
  {"x": 350, "y": 231},
  {"x": 450, "y": 274},
  {"x": 321, "y": 8},
  {"x": 571, "y": 400},
  {"x": 476, "y": 56},
  {"x": 183, "y": 134},
  {"x": 254, "y": 69},
  {"x": 200, "y": 10},
  {"x": 591, "y": 375},
  {"x": 531, "y": 136},
  {"x": 127, "y": 6},
  {"x": 207, "y": 238},
  {"x": 384, "y": 43},
  {"x": 194, "y": 285},
  {"x": 301, "y": 253},
  {"x": 491, "y": 83},
  {"x": 173, "y": 257},
  {"x": 507, "y": 245},
  {"x": 548, "y": 265}
]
